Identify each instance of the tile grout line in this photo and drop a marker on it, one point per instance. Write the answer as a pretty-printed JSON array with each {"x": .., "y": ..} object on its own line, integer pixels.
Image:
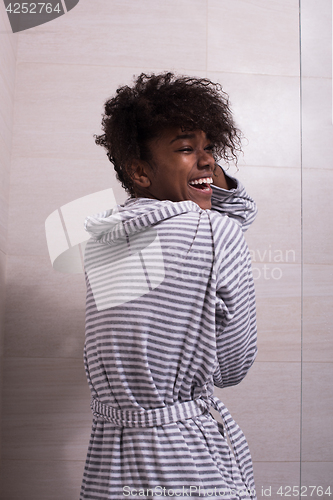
[{"x": 302, "y": 239}]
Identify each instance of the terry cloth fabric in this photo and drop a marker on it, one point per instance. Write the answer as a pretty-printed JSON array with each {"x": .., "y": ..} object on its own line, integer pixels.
[{"x": 170, "y": 313}]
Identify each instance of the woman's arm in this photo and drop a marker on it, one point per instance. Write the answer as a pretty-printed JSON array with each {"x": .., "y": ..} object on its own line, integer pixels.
[
  {"x": 236, "y": 331},
  {"x": 230, "y": 198}
]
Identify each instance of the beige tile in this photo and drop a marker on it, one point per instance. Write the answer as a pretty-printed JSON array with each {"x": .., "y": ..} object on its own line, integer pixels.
[
  {"x": 55, "y": 115},
  {"x": 266, "y": 405},
  {"x": 58, "y": 109},
  {"x": 318, "y": 329},
  {"x": 318, "y": 474},
  {"x": 274, "y": 239},
  {"x": 279, "y": 328},
  {"x": 253, "y": 37},
  {"x": 45, "y": 310},
  {"x": 5, "y": 162},
  {"x": 7, "y": 81},
  {"x": 317, "y": 130},
  {"x": 45, "y": 386},
  {"x": 275, "y": 236},
  {"x": 8, "y": 47},
  {"x": 123, "y": 33},
  {"x": 39, "y": 186},
  {"x": 4, "y": 193},
  {"x": 6, "y": 122},
  {"x": 317, "y": 233},
  {"x": 57, "y": 436},
  {"x": 7, "y": 85},
  {"x": 316, "y": 42},
  {"x": 317, "y": 312},
  {"x": 267, "y": 110},
  {"x": 277, "y": 281},
  {"x": 317, "y": 280},
  {"x": 49, "y": 107},
  {"x": 5, "y": 28},
  {"x": 317, "y": 412},
  {"x": 41, "y": 480},
  {"x": 3, "y": 223},
  {"x": 271, "y": 476}
]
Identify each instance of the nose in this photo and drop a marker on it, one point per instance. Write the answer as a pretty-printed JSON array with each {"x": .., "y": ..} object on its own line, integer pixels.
[{"x": 205, "y": 160}]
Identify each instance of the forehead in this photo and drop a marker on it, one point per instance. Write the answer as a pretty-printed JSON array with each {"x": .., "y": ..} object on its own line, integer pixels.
[{"x": 170, "y": 136}]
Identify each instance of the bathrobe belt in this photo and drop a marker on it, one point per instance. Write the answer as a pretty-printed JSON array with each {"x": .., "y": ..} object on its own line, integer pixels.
[
  {"x": 149, "y": 418},
  {"x": 179, "y": 412}
]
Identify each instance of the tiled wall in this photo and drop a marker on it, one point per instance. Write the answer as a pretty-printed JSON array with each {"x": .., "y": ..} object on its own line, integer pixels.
[
  {"x": 65, "y": 70},
  {"x": 317, "y": 387},
  {"x": 7, "y": 84}
]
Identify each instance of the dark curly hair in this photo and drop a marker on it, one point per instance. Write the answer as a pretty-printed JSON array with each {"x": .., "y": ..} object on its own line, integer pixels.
[{"x": 140, "y": 113}]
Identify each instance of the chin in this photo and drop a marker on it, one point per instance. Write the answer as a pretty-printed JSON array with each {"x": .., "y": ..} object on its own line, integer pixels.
[
  {"x": 204, "y": 200},
  {"x": 204, "y": 205}
]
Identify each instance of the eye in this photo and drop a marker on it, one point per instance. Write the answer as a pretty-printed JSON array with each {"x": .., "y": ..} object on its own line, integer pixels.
[
  {"x": 186, "y": 149},
  {"x": 210, "y": 147}
]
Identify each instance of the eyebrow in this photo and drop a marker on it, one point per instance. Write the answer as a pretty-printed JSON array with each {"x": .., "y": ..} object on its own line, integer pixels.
[{"x": 182, "y": 136}]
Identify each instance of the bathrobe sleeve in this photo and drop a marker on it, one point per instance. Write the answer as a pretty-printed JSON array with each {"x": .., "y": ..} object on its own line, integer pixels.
[
  {"x": 236, "y": 331},
  {"x": 235, "y": 203}
]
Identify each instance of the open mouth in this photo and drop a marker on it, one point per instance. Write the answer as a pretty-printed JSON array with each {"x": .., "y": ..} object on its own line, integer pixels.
[{"x": 202, "y": 184}]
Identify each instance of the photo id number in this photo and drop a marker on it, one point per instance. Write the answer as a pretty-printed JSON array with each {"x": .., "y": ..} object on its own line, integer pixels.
[
  {"x": 304, "y": 491},
  {"x": 33, "y": 8}
]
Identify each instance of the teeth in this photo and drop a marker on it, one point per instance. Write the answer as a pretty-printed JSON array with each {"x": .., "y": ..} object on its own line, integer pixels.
[{"x": 206, "y": 180}]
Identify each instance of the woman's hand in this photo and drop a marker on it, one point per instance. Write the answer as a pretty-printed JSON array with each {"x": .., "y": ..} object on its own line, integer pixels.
[{"x": 220, "y": 180}]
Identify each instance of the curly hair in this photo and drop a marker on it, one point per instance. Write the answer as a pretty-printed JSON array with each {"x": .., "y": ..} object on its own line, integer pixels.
[{"x": 156, "y": 102}]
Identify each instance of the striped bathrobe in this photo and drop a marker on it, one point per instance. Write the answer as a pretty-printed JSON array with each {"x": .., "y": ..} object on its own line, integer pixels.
[{"x": 170, "y": 314}]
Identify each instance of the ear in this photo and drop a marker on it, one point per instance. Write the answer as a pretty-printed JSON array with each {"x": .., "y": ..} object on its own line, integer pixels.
[{"x": 140, "y": 174}]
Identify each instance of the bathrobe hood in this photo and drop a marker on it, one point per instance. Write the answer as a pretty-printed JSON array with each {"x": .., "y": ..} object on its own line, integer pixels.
[
  {"x": 135, "y": 216},
  {"x": 124, "y": 259}
]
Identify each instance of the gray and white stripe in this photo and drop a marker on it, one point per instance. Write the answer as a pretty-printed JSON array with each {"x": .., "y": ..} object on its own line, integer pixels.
[{"x": 152, "y": 359}]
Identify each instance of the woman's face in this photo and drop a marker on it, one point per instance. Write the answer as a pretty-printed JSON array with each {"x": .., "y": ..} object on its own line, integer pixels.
[{"x": 181, "y": 167}]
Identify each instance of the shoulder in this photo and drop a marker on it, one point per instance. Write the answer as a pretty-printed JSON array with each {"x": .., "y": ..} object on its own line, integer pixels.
[
  {"x": 223, "y": 223},
  {"x": 227, "y": 236}
]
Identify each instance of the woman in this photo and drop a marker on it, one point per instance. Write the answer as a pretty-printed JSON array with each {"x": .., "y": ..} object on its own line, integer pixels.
[{"x": 170, "y": 299}]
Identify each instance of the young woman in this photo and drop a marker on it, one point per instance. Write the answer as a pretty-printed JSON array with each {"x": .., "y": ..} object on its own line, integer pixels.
[{"x": 170, "y": 299}]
